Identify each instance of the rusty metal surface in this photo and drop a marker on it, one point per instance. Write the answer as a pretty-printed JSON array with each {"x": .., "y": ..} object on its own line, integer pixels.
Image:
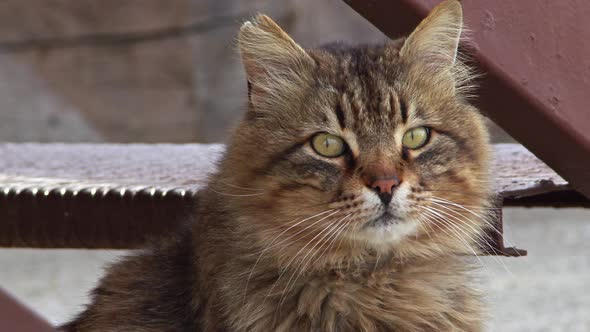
[
  {"x": 117, "y": 196},
  {"x": 15, "y": 317},
  {"x": 537, "y": 72}
]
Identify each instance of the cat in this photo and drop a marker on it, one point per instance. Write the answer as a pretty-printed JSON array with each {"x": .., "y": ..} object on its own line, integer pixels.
[{"x": 348, "y": 199}]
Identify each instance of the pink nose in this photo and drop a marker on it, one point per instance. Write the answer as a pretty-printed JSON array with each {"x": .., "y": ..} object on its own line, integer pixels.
[{"x": 384, "y": 185}]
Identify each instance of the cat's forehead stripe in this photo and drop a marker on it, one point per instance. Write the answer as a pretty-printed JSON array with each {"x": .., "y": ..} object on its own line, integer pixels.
[
  {"x": 403, "y": 109},
  {"x": 340, "y": 115},
  {"x": 367, "y": 95},
  {"x": 378, "y": 110}
]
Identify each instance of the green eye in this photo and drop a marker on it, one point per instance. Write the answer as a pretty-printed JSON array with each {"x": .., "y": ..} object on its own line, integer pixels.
[
  {"x": 328, "y": 145},
  {"x": 416, "y": 138}
]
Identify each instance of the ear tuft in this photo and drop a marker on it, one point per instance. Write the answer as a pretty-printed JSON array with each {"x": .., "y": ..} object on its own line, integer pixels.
[
  {"x": 266, "y": 48},
  {"x": 436, "y": 40},
  {"x": 277, "y": 69}
]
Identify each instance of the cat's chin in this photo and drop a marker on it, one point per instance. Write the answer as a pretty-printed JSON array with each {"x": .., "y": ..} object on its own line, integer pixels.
[
  {"x": 386, "y": 230},
  {"x": 385, "y": 219}
]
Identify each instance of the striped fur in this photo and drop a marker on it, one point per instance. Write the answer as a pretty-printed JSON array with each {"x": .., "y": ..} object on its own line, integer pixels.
[{"x": 287, "y": 240}]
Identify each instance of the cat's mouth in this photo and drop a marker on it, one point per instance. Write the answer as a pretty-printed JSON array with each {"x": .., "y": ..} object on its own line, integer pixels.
[{"x": 386, "y": 218}]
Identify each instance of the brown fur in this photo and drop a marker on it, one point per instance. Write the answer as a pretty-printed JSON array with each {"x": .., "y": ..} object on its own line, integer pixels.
[{"x": 288, "y": 240}]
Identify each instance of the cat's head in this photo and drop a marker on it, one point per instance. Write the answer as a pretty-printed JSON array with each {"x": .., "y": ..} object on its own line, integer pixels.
[{"x": 369, "y": 148}]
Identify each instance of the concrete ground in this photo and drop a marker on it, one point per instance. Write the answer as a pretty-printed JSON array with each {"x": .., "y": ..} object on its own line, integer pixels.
[{"x": 549, "y": 290}]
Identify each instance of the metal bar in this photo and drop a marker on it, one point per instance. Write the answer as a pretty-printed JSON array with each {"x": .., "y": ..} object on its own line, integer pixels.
[
  {"x": 60, "y": 219},
  {"x": 15, "y": 317},
  {"x": 119, "y": 196}
]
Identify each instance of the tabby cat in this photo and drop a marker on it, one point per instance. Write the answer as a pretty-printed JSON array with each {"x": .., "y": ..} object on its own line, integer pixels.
[{"x": 348, "y": 199}]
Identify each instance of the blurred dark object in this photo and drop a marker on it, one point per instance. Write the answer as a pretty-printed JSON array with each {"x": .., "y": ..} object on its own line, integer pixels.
[
  {"x": 15, "y": 317},
  {"x": 536, "y": 82}
]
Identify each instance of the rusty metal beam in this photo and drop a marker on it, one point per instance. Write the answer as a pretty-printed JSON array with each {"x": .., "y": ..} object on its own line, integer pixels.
[
  {"x": 117, "y": 196},
  {"x": 15, "y": 317},
  {"x": 536, "y": 69}
]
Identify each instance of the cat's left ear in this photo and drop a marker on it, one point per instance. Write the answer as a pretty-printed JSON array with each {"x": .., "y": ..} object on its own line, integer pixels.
[{"x": 436, "y": 40}]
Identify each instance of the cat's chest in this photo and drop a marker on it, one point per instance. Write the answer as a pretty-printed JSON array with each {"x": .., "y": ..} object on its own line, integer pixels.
[
  {"x": 378, "y": 303},
  {"x": 333, "y": 304},
  {"x": 340, "y": 304}
]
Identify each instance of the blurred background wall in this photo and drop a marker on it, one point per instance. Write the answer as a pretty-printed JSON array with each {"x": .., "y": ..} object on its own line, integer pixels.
[{"x": 141, "y": 70}]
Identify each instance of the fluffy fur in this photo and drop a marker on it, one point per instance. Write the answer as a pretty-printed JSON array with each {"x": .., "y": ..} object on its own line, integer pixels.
[{"x": 287, "y": 240}]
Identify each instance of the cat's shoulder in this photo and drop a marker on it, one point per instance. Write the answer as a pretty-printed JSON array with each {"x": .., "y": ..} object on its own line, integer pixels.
[{"x": 147, "y": 290}]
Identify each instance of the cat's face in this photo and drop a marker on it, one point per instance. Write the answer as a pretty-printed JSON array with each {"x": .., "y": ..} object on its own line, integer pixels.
[{"x": 363, "y": 148}]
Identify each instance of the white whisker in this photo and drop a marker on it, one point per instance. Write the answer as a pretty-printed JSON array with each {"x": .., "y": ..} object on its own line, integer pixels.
[
  {"x": 301, "y": 267},
  {"x": 480, "y": 236},
  {"x": 238, "y": 187},
  {"x": 483, "y": 218},
  {"x": 295, "y": 256},
  {"x": 269, "y": 246},
  {"x": 459, "y": 226},
  {"x": 451, "y": 228},
  {"x": 235, "y": 195}
]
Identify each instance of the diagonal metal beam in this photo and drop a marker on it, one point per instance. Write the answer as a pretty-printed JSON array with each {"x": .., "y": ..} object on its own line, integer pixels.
[{"x": 15, "y": 317}]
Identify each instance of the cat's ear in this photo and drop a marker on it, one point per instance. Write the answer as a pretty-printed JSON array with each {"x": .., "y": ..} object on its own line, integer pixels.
[
  {"x": 267, "y": 51},
  {"x": 436, "y": 40}
]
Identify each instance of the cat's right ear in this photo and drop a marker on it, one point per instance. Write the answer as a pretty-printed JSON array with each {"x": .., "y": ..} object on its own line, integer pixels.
[
  {"x": 436, "y": 40},
  {"x": 272, "y": 60}
]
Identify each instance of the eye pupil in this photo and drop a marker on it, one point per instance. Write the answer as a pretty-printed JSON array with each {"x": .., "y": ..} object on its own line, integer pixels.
[
  {"x": 328, "y": 145},
  {"x": 416, "y": 138}
]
